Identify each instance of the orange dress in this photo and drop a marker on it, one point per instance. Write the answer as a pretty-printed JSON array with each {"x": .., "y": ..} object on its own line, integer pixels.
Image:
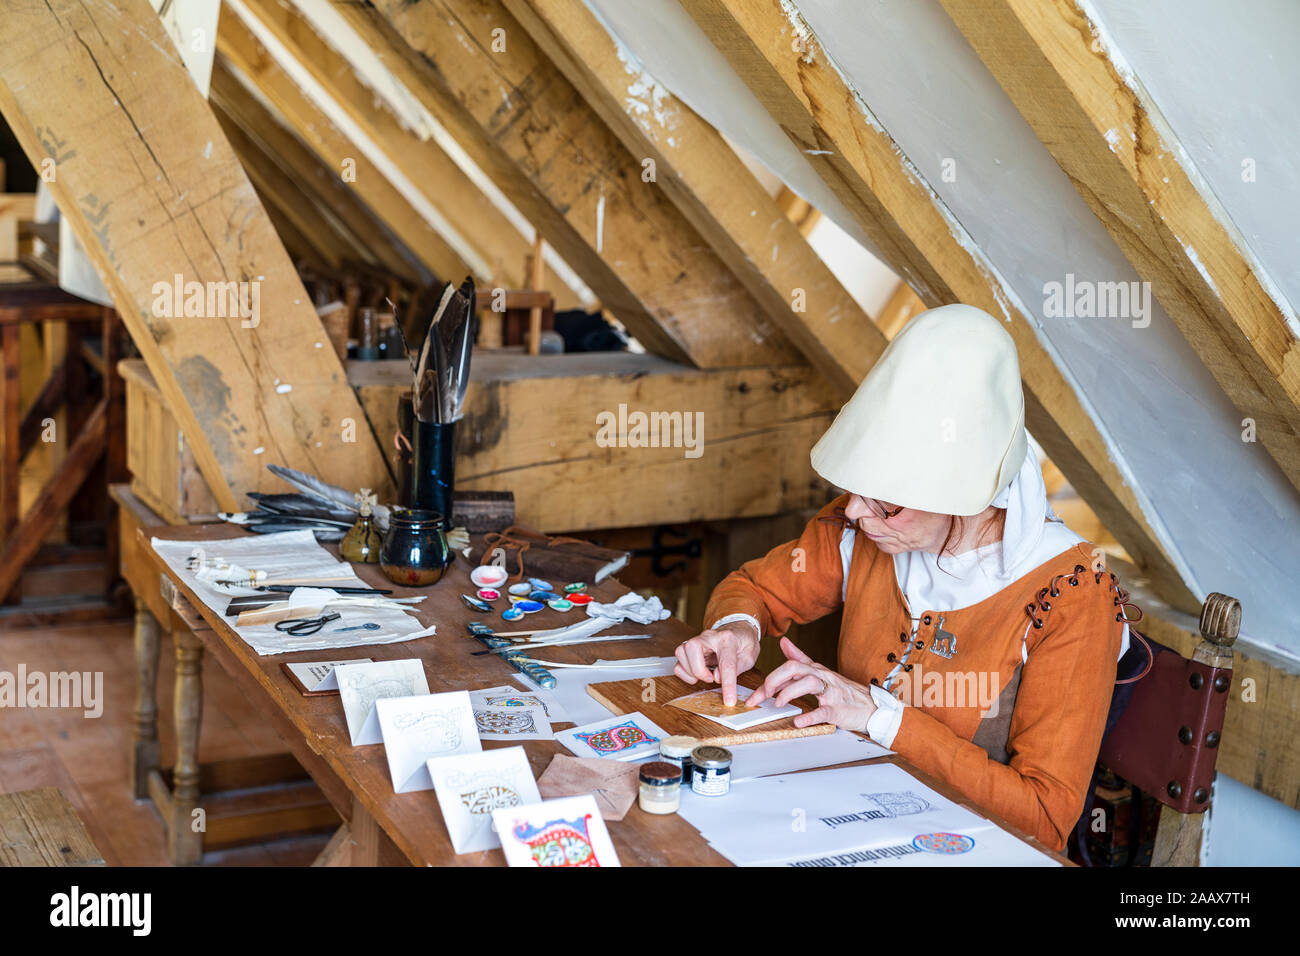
[{"x": 1012, "y": 720}]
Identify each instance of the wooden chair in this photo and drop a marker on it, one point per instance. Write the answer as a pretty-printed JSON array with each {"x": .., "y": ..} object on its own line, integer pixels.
[{"x": 1164, "y": 732}]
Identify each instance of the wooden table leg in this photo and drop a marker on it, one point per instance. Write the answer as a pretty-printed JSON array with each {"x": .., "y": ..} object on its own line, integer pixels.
[
  {"x": 338, "y": 852},
  {"x": 184, "y": 829},
  {"x": 365, "y": 836},
  {"x": 145, "y": 753}
]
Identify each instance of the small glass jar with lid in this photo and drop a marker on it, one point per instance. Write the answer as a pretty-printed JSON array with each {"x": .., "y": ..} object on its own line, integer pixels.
[{"x": 661, "y": 787}]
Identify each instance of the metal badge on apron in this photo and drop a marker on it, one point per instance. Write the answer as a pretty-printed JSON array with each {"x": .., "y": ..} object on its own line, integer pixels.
[{"x": 944, "y": 643}]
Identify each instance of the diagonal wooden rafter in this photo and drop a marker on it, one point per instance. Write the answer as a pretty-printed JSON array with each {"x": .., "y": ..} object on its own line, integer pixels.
[
  {"x": 329, "y": 239},
  {"x": 533, "y": 135},
  {"x": 150, "y": 186},
  {"x": 714, "y": 189},
  {"x": 1106, "y": 133},
  {"x": 494, "y": 239},
  {"x": 272, "y": 136},
  {"x": 824, "y": 116},
  {"x": 255, "y": 65}
]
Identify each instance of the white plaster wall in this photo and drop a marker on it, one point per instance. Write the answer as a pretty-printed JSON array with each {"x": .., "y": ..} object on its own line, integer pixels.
[
  {"x": 1248, "y": 828},
  {"x": 675, "y": 51},
  {"x": 1226, "y": 77}
]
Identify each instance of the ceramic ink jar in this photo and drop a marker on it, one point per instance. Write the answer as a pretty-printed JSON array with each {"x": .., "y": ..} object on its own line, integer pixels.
[{"x": 415, "y": 551}]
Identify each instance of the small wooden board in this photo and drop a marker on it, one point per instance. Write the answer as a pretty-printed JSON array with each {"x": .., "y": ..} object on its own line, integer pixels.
[
  {"x": 628, "y": 696},
  {"x": 41, "y": 828}
]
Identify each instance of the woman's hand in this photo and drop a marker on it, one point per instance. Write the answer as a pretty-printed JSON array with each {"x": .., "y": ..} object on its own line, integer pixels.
[
  {"x": 844, "y": 703},
  {"x": 718, "y": 656}
]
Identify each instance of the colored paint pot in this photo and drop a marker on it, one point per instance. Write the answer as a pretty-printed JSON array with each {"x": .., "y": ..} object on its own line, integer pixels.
[
  {"x": 580, "y": 598},
  {"x": 544, "y": 596},
  {"x": 489, "y": 576},
  {"x": 539, "y": 585},
  {"x": 577, "y": 587},
  {"x": 489, "y": 594},
  {"x": 521, "y": 589},
  {"x": 511, "y": 614},
  {"x": 529, "y": 607},
  {"x": 560, "y": 604}
]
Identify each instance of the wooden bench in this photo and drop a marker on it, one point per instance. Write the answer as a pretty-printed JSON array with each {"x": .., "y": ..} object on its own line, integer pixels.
[{"x": 41, "y": 828}]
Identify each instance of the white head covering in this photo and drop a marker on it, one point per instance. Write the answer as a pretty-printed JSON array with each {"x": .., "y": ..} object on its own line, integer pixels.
[
  {"x": 938, "y": 424},
  {"x": 951, "y": 581}
]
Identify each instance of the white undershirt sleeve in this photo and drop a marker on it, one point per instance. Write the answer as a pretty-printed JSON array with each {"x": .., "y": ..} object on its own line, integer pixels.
[
  {"x": 731, "y": 618},
  {"x": 882, "y": 725}
]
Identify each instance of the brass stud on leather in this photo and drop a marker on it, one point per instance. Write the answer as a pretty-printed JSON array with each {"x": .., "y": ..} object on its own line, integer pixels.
[
  {"x": 1200, "y": 794},
  {"x": 1220, "y": 684},
  {"x": 1212, "y": 739},
  {"x": 1197, "y": 680},
  {"x": 1185, "y": 734},
  {"x": 1175, "y": 789}
]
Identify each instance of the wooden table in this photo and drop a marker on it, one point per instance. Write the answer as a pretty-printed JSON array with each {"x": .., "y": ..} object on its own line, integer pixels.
[{"x": 382, "y": 826}]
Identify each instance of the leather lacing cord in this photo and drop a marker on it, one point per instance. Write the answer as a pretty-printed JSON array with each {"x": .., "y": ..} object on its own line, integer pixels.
[
  {"x": 519, "y": 538},
  {"x": 1041, "y": 607}
]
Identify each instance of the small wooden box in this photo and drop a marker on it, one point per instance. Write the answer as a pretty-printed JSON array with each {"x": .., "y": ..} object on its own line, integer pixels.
[{"x": 164, "y": 474}]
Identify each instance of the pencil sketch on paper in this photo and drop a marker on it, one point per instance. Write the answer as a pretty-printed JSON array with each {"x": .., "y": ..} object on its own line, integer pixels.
[
  {"x": 367, "y": 689},
  {"x": 430, "y": 731}
]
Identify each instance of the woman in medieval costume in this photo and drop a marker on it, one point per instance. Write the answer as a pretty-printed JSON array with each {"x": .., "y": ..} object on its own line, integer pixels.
[{"x": 980, "y": 635}]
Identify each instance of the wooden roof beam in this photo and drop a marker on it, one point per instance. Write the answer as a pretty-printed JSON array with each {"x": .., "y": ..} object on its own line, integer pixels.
[
  {"x": 714, "y": 190},
  {"x": 271, "y": 134},
  {"x": 827, "y": 119},
  {"x": 245, "y": 54},
  {"x": 152, "y": 189},
  {"x": 493, "y": 238},
  {"x": 327, "y": 238},
  {"x": 1106, "y": 133},
  {"x": 531, "y": 132}
]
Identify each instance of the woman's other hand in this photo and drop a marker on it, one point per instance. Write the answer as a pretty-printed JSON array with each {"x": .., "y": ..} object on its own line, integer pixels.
[
  {"x": 718, "y": 656},
  {"x": 843, "y": 702}
]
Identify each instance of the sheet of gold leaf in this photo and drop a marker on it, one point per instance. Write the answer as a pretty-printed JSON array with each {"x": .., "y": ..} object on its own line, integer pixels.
[{"x": 708, "y": 703}]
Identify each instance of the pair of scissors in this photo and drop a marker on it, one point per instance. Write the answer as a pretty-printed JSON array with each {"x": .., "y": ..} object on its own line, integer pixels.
[{"x": 301, "y": 626}]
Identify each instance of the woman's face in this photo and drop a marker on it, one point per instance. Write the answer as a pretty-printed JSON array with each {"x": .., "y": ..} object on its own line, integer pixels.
[{"x": 909, "y": 530}]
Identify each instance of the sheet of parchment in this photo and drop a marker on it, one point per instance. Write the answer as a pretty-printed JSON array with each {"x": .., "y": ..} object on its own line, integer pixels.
[{"x": 614, "y": 785}]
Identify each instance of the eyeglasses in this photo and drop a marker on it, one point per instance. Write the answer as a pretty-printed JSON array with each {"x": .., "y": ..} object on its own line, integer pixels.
[{"x": 879, "y": 509}]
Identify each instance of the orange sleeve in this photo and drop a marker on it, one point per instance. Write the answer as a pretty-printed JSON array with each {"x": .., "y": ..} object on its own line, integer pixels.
[
  {"x": 1060, "y": 713},
  {"x": 795, "y": 582}
]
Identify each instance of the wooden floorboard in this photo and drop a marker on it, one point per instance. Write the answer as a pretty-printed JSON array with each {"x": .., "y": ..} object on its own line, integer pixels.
[{"x": 86, "y": 758}]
